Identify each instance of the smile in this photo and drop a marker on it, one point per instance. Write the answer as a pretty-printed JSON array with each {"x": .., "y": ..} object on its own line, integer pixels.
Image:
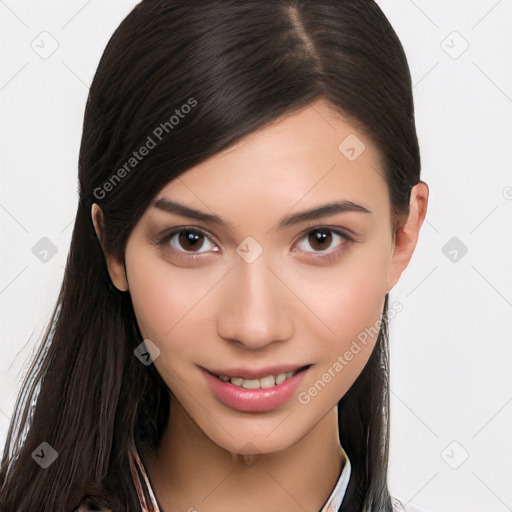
[
  {"x": 254, "y": 393},
  {"x": 266, "y": 382}
]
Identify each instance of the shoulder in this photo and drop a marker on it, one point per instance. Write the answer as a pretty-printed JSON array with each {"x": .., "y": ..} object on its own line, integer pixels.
[
  {"x": 402, "y": 506},
  {"x": 90, "y": 503}
]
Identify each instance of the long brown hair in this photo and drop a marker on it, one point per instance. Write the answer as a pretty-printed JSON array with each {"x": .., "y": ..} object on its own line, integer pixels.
[{"x": 202, "y": 75}]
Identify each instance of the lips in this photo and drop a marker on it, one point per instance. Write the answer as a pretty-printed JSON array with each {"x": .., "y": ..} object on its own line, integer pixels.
[
  {"x": 269, "y": 381},
  {"x": 248, "y": 397}
]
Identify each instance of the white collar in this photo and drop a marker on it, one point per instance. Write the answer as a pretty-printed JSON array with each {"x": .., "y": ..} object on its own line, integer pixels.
[{"x": 334, "y": 501}]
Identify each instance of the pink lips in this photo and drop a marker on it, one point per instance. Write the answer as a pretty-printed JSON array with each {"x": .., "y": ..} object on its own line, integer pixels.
[{"x": 254, "y": 400}]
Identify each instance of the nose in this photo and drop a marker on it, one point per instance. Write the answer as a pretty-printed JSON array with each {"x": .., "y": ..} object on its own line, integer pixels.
[{"x": 255, "y": 307}]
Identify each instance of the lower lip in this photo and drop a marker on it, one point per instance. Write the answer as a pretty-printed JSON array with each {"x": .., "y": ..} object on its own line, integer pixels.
[{"x": 253, "y": 400}]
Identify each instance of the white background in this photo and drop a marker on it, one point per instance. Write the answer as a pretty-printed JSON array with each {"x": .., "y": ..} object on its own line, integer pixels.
[{"x": 451, "y": 349}]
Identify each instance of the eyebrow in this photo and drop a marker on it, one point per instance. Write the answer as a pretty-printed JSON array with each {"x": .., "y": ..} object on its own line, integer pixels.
[{"x": 318, "y": 212}]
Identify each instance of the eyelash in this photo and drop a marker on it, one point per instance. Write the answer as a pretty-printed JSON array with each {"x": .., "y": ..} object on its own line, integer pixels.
[{"x": 325, "y": 257}]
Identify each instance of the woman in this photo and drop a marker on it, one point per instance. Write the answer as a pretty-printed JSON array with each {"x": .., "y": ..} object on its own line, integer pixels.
[{"x": 249, "y": 194}]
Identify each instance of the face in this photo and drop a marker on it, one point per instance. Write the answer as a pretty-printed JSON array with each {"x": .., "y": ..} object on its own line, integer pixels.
[{"x": 257, "y": 289}]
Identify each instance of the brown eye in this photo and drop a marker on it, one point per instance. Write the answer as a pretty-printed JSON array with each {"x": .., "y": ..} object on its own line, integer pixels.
[
  {"x": 322, "y": 242},
  {"x": 320, "y": 239},
  {"x": 190, "y": 240}
]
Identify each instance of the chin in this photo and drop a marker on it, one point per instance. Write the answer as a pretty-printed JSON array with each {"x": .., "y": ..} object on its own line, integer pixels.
[{"x": 258, "y": 438}]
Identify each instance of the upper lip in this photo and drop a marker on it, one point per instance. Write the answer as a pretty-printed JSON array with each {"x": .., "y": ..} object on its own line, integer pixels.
[{"x": 256, "y": 373}]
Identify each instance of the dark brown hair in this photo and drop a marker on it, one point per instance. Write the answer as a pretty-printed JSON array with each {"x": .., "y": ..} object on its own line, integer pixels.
[{"x": 238, "y": 65}]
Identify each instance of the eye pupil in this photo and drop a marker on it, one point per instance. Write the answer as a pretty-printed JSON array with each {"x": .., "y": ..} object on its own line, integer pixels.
[
  {"x": 320, "y": 236},
  {"x": 191, "y": 238}
]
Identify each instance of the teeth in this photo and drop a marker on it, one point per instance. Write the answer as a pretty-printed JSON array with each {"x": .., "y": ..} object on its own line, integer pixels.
[
  {"x": 265, "y": 382},
  {"x": 280, "y": 378}
]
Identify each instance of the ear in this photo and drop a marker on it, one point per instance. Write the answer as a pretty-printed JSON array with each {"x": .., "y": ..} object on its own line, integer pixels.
[
  {"x": 407, "y": 233},
  {"x": 116, "y": 268}
]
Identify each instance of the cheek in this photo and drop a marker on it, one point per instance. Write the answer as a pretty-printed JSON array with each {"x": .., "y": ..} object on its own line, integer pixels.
[
  {"x": 361, "y": 302},
  {"x": 347, "y": 298},
  {"x": 168, "y": 302},
  {"x": 157, "y": 295}
]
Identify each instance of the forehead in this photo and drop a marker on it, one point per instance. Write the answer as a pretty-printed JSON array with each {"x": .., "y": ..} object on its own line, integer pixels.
[{"x": 311, "y": 155}]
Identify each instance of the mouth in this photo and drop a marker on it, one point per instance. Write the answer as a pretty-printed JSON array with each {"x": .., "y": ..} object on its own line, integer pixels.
[
  {"x": 268, "y": 379},
  {"x": 255, "y": 391}
]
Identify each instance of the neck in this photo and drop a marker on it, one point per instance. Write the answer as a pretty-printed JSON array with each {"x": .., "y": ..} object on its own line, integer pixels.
[{"x": 188, "y": 471}]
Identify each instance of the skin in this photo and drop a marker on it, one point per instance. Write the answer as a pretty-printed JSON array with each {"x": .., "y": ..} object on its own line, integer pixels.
[{"x": 287, "y": 306}]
